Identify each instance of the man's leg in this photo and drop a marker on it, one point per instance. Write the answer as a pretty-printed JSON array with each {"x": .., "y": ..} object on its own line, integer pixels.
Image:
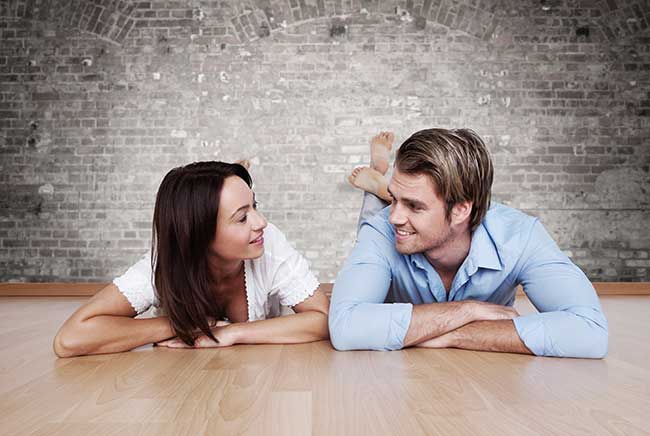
[
  {"x": 370, "y": 206},
  {"x": 372, "y": 180}
]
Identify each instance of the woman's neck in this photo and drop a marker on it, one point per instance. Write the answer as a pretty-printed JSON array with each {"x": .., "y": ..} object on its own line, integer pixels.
[{"x": 223, "y": 269}]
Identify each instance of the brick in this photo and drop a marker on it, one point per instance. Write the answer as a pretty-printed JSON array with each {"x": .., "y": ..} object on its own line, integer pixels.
[{"x": 575, "y": 154}]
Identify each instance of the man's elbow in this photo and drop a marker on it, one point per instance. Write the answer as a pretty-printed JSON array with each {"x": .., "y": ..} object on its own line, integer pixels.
[
  {"x": 340, "y": 342},
  {"x": 593, "y": 346},
  {"x": 338, "y": 335},
  {"x": 600, "y": 344},
  {"x": 597, "y": 338}
]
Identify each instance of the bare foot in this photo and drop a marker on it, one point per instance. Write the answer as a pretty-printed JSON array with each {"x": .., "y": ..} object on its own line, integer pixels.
[
  {"x": 245, "y": 163},
  {"x": 380, "y": 146},
  {"x": 370, "y": 180}
]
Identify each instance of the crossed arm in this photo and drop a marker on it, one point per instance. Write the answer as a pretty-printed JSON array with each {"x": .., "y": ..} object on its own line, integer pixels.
[
  {"x": 106, "y": 324},
  {"x": 570, "y": 323},
  {"x": 483, "y": 327},
  {"x": 308, "y": 324},
  {"x": 472, "y": 325}
]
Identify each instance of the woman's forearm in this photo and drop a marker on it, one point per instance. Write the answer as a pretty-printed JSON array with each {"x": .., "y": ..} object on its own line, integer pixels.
[
  {"x": 109, "y": 334},
  {"x": 301, "y": 327}
]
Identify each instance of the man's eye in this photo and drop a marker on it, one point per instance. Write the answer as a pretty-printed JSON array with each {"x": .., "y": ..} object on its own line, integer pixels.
[
  {"x": 255, "y": 204},
  {"x": 243, "y": 220}
]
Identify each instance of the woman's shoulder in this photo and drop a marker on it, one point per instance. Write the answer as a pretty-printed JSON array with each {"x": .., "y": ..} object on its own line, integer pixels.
[{"x": 136, "y": 284}]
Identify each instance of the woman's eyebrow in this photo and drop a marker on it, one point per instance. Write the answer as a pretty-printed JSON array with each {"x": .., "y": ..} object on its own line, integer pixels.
[{"x": 244, "y": 207}]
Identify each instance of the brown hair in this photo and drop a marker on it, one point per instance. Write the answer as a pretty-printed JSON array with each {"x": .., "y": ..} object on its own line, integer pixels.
[
  {"x": 458, "y": 163},
  {"x": 184, "y": 226}
]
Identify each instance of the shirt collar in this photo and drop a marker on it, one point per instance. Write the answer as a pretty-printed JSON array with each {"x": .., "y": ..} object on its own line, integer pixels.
[{"x": 483, "y": 252}]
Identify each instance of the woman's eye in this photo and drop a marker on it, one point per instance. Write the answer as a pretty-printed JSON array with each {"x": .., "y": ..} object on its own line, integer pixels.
[
  {"x": 243, "y": 220},
  {"x": 255, "y": 204}
]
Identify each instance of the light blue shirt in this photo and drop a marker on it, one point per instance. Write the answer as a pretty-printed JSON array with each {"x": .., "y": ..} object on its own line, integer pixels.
[{"x": 375, "y": 290}]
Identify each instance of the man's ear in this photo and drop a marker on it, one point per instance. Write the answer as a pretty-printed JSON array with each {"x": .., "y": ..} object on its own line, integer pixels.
[{"x": 461, "y": 212}]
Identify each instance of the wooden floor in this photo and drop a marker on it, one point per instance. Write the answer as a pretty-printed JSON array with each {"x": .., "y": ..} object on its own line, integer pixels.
[{"x": 311, "y": 389}]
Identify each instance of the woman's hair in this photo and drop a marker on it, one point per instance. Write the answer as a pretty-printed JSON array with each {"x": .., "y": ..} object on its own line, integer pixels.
[
  {"x": 184, "y": 227},
  {"x": 458, "y": 163}
]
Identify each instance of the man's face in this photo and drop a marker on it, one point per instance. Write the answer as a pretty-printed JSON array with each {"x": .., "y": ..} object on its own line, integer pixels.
[{"x": 417, "y": 214}]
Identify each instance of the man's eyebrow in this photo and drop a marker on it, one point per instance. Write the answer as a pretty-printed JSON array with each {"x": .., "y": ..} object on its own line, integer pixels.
[{"x": 414, "y": 202}]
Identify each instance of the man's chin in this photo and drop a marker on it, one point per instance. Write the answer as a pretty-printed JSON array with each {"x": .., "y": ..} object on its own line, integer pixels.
[{"x": 404, "y": 248}]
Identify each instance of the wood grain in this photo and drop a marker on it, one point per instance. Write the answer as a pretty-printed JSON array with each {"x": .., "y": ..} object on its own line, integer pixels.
[
  {"x": 88, "y": 289},
  {"x": 310, "y": 389}
]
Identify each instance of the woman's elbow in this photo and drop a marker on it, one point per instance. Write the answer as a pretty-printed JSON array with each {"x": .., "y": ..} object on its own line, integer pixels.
[{"x": 66, "y": 345}]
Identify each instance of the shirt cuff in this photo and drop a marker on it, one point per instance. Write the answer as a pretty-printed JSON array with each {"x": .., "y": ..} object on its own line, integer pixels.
[
  {"x": 530, "y": 329},
  {"x": 400, "y": 320}
]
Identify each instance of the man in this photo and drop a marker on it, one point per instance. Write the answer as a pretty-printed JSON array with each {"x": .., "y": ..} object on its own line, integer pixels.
[{"x": 439, "y": 267}]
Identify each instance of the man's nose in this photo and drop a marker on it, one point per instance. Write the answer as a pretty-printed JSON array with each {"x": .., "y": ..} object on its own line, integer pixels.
[{"x": 396, "y": 216}]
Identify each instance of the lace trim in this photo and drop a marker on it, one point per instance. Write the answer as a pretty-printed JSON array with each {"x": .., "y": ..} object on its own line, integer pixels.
[
  {"x": 135, "y": 298},
  {"x": 249, "y": 306},
  {"x": 299, "y": 292}
]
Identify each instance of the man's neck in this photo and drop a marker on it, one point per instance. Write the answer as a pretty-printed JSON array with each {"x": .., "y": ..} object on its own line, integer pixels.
[{"x": 448, "y": 257}]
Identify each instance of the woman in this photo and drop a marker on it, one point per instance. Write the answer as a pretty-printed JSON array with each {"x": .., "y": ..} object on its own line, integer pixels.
[{"x": 218, "y": 276}]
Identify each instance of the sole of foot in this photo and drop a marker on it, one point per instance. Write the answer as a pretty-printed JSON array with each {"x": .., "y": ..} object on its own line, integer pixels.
[{"x": 380, "y": 147}]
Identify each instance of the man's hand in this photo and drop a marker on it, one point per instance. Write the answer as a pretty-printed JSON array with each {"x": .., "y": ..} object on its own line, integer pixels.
[
  {"x": 480, "y": 311},
  {"x": 429, "y": 321},
  {"x": 222, "y": 331},
  {"x": 483, "y": 311}
]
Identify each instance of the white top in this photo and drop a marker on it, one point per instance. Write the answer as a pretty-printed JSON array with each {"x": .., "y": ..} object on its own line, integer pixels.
[{"x": 280, "y": 277}]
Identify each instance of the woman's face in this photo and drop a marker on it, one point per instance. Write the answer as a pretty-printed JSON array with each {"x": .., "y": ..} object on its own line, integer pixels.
[{"x": 240, "y": 227}]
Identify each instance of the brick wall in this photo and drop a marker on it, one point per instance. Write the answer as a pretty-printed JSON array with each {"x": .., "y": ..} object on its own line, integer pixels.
[{"x": 98, "y": 99}]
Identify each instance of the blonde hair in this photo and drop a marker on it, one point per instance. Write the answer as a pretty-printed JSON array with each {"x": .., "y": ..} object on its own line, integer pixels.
[{"x": 458, "y": 163}]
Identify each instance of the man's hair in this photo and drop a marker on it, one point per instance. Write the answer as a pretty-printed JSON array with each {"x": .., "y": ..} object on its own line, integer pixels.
[{"x": 458, "y": 163}]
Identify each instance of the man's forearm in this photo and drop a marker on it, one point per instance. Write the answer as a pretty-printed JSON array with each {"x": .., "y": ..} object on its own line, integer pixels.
[
  {"x": 432, "y": 320},
  {"x": 500, "y": 336}
]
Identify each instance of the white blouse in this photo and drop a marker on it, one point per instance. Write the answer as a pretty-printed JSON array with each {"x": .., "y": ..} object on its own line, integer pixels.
[{"x": 279, "y": 278}]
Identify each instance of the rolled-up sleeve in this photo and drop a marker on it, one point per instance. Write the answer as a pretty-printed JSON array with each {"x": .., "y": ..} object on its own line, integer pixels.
[
  {"x": 571, "y": 322},
  {"x": 358, "y": 318}
]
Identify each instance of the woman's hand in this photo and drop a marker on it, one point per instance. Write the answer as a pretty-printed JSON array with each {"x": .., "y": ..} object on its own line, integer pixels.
[{"x": 222, "y": 331}]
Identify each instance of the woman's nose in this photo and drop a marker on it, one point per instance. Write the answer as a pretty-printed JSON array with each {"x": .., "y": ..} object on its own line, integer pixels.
[{"x": 260, "y": 222}]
